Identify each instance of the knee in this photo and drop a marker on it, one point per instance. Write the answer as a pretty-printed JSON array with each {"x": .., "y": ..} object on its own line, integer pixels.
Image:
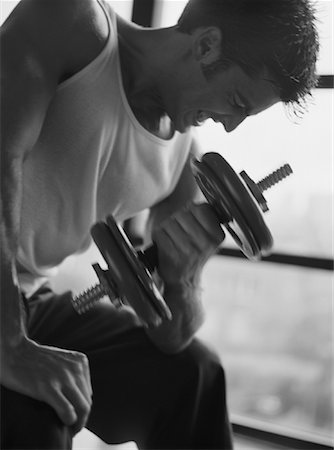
[
  {"x": 201, "y": 355},
  {"x": 202, "y": 363}
]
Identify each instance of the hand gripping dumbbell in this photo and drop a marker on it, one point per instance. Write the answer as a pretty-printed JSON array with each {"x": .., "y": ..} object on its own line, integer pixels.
[{"x": 238, "y": 203}]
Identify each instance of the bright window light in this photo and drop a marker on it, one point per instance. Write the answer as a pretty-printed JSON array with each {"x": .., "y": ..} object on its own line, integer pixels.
[
  {"x": 272, "y": 327},
  {"x": 300, "y": 213}
]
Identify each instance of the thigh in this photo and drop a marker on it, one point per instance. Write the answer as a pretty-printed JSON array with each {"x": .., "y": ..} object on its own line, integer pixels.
[
  {"x": 52, "y": 320},
  {"x": 159, "y": 401},
  {"x": 27, "y": 423},
  {"x": 139, "y": 393}
]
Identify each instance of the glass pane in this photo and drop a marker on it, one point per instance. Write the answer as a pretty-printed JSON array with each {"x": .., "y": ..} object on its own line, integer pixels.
[
  {"x": 325, "y": 25},
  {"x": 301, "y": 207},
  {"x": 166, "y": 12},
  {"x": 122, "y": 7},
  {"x": 272, "y": 326},
  {"x": 6, "y": 7}
]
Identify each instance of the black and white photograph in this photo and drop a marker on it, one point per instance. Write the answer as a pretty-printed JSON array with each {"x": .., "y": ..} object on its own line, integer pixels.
[{"x": 167, "y": 225}]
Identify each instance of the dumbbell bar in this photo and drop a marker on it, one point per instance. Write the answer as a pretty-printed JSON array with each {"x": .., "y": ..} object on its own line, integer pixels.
[{"x": 238, "y": 203}]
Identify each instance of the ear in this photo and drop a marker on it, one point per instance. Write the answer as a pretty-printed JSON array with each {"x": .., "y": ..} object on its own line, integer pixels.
[{"x": 207, "y": 44}]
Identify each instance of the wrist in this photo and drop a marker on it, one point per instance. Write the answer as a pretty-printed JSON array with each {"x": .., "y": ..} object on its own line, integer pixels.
[
  {"x": 12, "y": 352},
  {"x": 11, "y": 339},
  {"x": 183, "y": 289}
]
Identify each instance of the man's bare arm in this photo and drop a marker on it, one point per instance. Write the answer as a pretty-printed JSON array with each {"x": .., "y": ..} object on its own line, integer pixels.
[
  {"x": 186, "y": 234},
  {"x": 41, "y": 46}
]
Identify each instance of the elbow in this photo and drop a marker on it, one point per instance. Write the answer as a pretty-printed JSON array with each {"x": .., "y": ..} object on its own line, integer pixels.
[
  {"x": 172, "y": 347},
  {"x": 172, "y": 341}
]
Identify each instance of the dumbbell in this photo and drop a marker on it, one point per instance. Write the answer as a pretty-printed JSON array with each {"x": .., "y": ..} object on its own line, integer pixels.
[{"x": 238, "y": 203}]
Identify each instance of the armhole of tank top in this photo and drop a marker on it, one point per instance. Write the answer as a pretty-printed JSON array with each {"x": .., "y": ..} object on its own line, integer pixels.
[{"x": 90, "y": 66}]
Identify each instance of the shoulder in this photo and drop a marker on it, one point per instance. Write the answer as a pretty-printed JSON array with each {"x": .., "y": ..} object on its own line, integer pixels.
[{"x": 63, "y": 35}]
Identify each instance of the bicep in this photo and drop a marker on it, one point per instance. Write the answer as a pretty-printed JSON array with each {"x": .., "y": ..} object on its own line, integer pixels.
[
  {"x": 24, "y": 102},
  {"x": 42, "y": 43},
  {"x": 29, "y": 77},
  {"x": 27, "y": 86},
  {"x": 25, "y": 98}
]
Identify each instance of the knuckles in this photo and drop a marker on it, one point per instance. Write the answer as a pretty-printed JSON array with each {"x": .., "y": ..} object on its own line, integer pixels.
[
  {"x": 186, "y": 240},
  {"x": 196, "y": 226}
]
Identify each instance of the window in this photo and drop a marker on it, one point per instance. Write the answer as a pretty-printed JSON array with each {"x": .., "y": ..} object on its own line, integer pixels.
[
  {"x": 300, "y": 207},
  {"x": 272, "y": 323},
  {"x": 272, "y": 327}
]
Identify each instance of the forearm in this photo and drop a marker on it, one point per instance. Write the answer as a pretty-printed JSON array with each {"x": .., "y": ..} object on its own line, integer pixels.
[
  {"x": 185, "y": 242},
  {"x": 12, "y": 325},
  {"x": 11, "y": 190}
]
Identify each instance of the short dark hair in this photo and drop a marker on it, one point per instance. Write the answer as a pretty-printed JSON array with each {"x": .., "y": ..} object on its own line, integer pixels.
[{"x": 277, "y": 34}]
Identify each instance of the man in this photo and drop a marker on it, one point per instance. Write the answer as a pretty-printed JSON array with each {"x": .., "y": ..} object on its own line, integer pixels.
[{"x": 97, "y": 119}]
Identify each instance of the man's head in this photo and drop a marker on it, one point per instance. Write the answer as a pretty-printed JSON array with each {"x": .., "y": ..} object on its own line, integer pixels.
[{"x": 278, "y": 36}]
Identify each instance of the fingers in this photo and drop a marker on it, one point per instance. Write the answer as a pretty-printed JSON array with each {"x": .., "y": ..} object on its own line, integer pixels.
[
  {"x": 70, "y": 391},
  {"x": 70, "y": 405},
  {"x": 202, "y": 226},
  {"x": 81, "y": 369},
  {"x": 60, "y": 378},
  {"x": 78, "y": 390},
  {"x": 79, "y": 404},
  {"x": 195, "y": 228},
  {"x": 185, "y": 241},
  {"x": 63, "y": 407}
]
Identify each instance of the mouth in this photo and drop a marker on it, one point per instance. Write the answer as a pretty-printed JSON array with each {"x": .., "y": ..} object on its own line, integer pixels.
[
  {"x": 201, "y": 116},
  {"x": 197, "y": 118}
]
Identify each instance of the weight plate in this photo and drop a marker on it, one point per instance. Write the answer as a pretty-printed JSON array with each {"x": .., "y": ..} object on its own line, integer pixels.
[
  {"x": 234, "y": 204},
  {"x": 133, "y": 281}
]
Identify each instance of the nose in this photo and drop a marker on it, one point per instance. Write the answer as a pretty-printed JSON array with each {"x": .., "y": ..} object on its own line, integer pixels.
[{"x": 233, "y": 121}]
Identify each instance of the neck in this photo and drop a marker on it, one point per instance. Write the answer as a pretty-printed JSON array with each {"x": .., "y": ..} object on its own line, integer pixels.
[
  {"x": 146, "y": 59},
  {"x": 147, "y": 107}
]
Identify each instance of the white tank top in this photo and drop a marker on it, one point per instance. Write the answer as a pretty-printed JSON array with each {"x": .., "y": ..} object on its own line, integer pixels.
[{"x": 92, "y": 158}]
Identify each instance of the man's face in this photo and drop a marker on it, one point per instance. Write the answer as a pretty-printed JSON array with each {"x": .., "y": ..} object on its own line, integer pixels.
[{"x": 227, "y": 97}]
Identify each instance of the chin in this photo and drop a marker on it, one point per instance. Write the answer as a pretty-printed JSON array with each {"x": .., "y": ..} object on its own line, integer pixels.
[
  {"x": 181, "y": 129},
  {"x": 180, "y": 125}
]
